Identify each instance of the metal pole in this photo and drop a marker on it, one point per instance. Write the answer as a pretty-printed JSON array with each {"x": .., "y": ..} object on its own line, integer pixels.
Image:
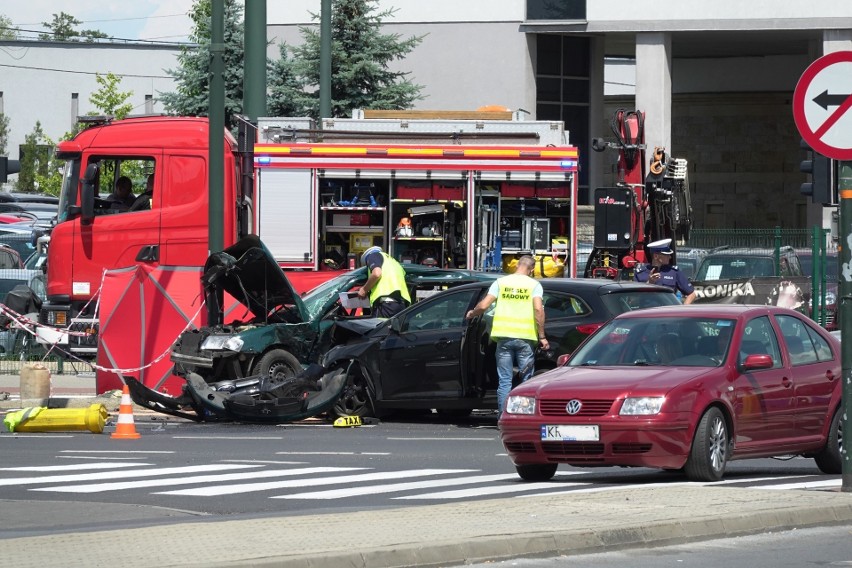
[
  {"x": 216, "y": 114},
  {"x": 844, "y": 186},
  {"x": 254, "y": 70},
  {"x": 816, "y": 232},
  {"x": 325, "y": 60}
]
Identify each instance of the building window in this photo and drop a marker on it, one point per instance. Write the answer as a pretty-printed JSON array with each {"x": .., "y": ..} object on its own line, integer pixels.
[
  {"x": 556, "y": 9},
  {"x": 563, "y": 90}
]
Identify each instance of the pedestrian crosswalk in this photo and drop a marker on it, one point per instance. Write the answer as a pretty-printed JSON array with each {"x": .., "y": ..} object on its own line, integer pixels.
[{"x": 303, "y": 481}]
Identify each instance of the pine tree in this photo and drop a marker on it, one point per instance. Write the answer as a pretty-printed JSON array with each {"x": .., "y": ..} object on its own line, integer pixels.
[
  {"x": 192, "y": 76},
  {"x": 360, "y": 55},
  {"x": 286, "y": 97}
]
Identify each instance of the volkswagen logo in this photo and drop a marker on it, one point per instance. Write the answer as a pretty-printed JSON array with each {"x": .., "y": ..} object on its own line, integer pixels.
[{"x": 573, "y": 406}]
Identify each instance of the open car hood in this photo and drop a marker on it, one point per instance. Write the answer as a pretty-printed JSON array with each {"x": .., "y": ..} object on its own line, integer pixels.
[{"x": 247, "y": 271}]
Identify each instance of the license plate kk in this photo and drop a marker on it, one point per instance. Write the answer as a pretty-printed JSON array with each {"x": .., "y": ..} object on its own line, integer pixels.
[{"x": 570, "y": 433}]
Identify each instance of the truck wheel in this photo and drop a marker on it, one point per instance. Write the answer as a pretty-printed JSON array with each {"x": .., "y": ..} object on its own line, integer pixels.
[
  {"x": 536, "y": 471},
  {"x": 828, "y": 460},
  {"x": 709, "y": 454},
  {"x": 278, "y": 364}
]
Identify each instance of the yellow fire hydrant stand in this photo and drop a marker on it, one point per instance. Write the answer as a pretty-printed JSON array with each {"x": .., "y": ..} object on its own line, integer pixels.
[{"x": 42, "y": 419}]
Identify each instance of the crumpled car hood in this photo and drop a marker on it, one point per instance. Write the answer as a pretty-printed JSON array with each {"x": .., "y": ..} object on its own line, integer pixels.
[{"x": 248, "y": 272}]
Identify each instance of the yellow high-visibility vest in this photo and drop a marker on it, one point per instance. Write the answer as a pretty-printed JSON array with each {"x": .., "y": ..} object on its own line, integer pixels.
[
  {"x": 393, "y": 279},
  {"x": 514, "y": 316}
]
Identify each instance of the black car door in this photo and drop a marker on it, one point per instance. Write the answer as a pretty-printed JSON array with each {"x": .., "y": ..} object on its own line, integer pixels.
[{"x": 423, "y": 359}]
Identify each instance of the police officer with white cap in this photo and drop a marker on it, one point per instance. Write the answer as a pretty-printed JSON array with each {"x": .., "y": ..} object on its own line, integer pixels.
[
  {"x": 385, "y": 285},
  {"x": 661, "y": 272}
]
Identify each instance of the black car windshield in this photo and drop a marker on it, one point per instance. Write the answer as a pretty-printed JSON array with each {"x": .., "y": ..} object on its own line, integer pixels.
[
  {"x": 620, "y": 302},
  {"x": 667, "y": 342}
]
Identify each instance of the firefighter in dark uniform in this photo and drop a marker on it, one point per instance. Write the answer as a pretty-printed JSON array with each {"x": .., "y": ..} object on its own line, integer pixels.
[{"x": 661, "y": 272}]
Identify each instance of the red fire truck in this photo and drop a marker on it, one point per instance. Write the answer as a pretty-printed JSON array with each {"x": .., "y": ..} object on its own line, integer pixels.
[{"x": 465, "y": 193}]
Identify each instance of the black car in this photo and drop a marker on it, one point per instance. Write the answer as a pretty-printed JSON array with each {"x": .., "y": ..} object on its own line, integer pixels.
[{"x": 429, "y": 357}]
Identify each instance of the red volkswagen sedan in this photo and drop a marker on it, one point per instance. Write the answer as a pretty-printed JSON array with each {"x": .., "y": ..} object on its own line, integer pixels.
[{"x": 683, "y": 387}]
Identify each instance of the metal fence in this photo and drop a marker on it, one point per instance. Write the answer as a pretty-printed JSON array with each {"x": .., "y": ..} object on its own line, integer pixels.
[{"x": 811, "y": 247}]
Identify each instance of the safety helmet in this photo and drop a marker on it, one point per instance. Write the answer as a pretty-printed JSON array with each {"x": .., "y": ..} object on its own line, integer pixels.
[{"x": 368, "y": 252}]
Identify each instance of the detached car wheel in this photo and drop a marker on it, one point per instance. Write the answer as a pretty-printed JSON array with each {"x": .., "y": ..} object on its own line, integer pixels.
[
  {"x": 709, "y": 454},
  {"x": 829, "y": 460},
  {"x": 278, "y": 364},
  {"x": 537, "y": 472}
]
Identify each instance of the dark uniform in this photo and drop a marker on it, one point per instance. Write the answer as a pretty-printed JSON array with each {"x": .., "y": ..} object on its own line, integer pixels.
[{"x": 669, "y": 276}]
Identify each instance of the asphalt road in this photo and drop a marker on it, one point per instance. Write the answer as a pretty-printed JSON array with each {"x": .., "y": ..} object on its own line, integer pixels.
[
  {"x": 183, "y": 471},
  {"x": 802, "y": 548}
]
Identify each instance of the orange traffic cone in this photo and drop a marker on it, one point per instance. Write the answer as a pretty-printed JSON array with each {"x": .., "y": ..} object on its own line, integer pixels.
[{"x": 125, "y": 428}]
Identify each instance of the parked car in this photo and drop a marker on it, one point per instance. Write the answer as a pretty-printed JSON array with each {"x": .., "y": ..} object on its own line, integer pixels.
[
  {"x": 750, "y": 382},
  {"x": 688, "y": 259},
  {"x": 14, "y": 340},
  {"x": 279, "y": 331},
  {"x": 429, "y": 357},
  {"x": 26, "y": 197},
  {"x": 733, "y": 263}
]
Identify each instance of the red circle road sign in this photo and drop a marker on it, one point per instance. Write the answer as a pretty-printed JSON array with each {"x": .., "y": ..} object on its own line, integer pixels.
[{"x": 822, "y": 105}]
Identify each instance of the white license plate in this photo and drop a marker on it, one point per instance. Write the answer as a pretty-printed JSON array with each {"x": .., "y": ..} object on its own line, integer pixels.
[{"x": 571, "y": 433}]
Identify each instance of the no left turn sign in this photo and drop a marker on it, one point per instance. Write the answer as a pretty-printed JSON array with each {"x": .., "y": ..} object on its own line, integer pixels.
[{"x": 822, "y": 105}]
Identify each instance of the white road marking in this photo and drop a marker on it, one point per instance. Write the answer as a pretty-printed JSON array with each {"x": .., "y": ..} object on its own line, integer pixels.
[
  {"x": 227, "y": 438},
  {"x": 816, "y": 484},
  {"x": 119, "y": 474},
  {"x": 120, "y": 485},
  {"x": 480, "y": 491},
  {"x": 395, "y": 487},
  {"x": 118, "y": 451},
  {"x": 96, "y": 458},
  {"x": 443, "y": 439},
  {"x": 315, "y": 482},
  {"x": 75, "y": 466},
  {"x": 332, "y": 453}
]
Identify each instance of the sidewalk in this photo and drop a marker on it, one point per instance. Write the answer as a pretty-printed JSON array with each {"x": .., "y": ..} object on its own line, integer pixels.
[
  {"x": 436, "y": 535},
  {"x": 444, "y": 535}
]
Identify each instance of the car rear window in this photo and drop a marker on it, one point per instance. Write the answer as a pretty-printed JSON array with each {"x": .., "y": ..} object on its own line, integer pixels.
[
  {"x": 731, "y": 267},
  {"x": 620, "y": 302}
]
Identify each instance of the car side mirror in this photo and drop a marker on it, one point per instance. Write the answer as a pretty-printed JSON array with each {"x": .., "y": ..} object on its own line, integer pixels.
[
  {"x": 754, "y": 362},
  {"x": 87, "y": 194},
  {"x": 396, "y": 325}
]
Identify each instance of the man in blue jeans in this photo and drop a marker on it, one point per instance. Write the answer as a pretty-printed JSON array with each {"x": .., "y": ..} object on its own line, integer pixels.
[{"x": 518, "y": 324}]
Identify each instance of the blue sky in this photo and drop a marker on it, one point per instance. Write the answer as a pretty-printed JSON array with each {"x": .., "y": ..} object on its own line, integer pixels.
[{"x": 161, "y": 20}]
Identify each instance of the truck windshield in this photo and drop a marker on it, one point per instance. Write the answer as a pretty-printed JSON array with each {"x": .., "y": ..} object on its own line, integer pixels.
[{"x": 68, "y": 193}]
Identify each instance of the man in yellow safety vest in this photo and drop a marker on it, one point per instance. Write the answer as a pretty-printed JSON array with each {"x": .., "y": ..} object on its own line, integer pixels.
[
  {"x": 386, "y": 285},
  {"x": 518, "y": 324}
]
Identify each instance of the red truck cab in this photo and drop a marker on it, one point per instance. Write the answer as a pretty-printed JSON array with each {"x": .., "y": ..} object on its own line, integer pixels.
[{"x": 95, "y": 232}]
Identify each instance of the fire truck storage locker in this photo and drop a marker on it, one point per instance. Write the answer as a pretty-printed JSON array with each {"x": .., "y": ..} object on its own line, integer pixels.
[{"x": 285, "y": 222}]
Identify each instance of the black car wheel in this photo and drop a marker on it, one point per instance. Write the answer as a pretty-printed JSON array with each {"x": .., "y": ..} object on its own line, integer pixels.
[
  {"x": 709, "y": 454},
  {"x": 536, "y": 471},
  {"x": 829, "y": 460},
  {"x": 278, "y": 364},
  {"x": 355, "y": 400}
]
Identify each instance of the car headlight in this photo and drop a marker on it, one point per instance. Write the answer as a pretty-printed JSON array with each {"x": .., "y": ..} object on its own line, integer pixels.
[
  {"x": 642, "y": 406},
  {"x": 222, "y": 342},
  {"x": 520, "y": 405},
  {"x": 830, "y": 298}
]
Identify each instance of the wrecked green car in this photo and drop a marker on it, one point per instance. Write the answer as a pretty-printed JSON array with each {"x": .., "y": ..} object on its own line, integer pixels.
[{"x": 278, "y": 332}]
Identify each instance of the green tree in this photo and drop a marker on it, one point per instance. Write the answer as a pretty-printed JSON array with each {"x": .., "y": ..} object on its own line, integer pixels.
[
  {"x": 360, "y": 56},
  {"x": 35, "y": 159},
  {"x": 286, "y": 96},
  {"x": 4, "y": 134},
  {"x": 63, "y": 28},
  {"x": 108, "y": 99},
  {"x": 192, "y": 76},
  {"x": 7, "y": 30}
]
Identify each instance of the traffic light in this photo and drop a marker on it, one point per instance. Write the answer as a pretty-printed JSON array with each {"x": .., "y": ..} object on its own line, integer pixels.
[
  {"x": 7, "y": 167},
  {"x": 820, "y": 186}
]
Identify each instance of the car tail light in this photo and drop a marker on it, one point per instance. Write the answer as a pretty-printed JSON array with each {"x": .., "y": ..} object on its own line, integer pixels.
[
  {"x": 588, "y": 328},
  {"x": 562, "y": 359}
]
